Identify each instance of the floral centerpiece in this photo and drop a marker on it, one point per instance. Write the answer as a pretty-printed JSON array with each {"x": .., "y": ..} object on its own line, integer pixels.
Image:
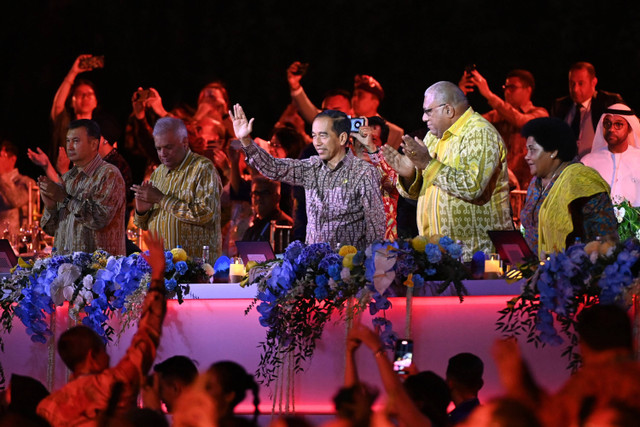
[
  {"x": 583, "y": 275},
  {"x": 298, "y": 294},
  {"x": 95, "y": 285},
  {"x": 628, "y": 220}
]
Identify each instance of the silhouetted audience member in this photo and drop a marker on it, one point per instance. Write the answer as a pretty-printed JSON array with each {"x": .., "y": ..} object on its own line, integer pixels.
[
  {"x": 464, "y": 378},
  {"x": 170, "y": 379},
  {"x": 227, "y": 383},
  {"x": 609, "y": 372},
  {"x": 18, "y": 402},
  {"x": 89, "y": 393},
  {"x": 502, "y": 412},
  {"x": 402, "y": 406}
]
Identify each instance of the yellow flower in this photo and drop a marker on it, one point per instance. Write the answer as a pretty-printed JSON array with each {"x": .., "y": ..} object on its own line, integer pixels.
[
  {"x": 24, "y": 264},
  {"x": 179, "y": 254},
  {"x": 347, "y": 261},
  {"x": 419, "y": 243},
  {"x": 250, "y": 265},
  {"x": 409, "y": 282},
  {"x": 347, "y": 249}
]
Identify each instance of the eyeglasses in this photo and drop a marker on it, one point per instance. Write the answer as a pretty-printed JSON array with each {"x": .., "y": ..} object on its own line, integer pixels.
[
  {"x": 429, "y": 111},
  {"x": 511, "y": 87},
  {"x": 607, "y": 124},
  {"x": 84, "y": 95}
]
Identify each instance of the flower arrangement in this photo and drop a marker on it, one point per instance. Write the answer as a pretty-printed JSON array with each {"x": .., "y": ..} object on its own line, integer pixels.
[
  {"x": 95, "y": 285},
  {"x": 581, "y": 276},
  {"x": 628, "y": 220},
  {"x": 298, "y": 294}
]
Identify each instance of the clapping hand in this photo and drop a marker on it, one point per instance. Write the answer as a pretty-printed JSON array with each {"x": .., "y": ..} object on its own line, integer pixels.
[
  {"x": 241, "y": 126},
  {"x": 417, "y": 151},
  {"x": 400, "y": 163}
]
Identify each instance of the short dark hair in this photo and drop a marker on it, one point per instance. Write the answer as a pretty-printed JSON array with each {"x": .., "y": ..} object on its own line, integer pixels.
[
  {"x": 552, "y": 134},
  {"x": 93, "y": 128},
  {"x": 177, "y": 368},
  {"x": 604, "y": 327},
  {"x": 466, "y": 369},
  {"x": 273, "y": 186},
  {"x": 384, "y": 128},
  {"x": 582, "y": 65},
  {"x": 525, "y": 77},
  {"x": 431, "y": 395},
  {"x": 290, "y": 139},
  {"x": 338, "y": 92},
  {"x": 9, "y": 147},
  {"x": 340, "y": 121},
  {"x": 74, "y": 345}
]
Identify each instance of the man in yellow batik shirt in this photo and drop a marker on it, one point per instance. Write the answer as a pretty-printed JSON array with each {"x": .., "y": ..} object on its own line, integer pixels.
[
  {"x": 458, "y": 174},
  {"x": 181, "y": 200}
]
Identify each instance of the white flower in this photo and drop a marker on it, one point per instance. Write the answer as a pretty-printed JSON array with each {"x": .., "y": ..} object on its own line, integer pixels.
[
  {"x": 638, "y": 234},
  {"x": 87, "y": 282},
  {"x": 208, "y": 270},
  {"x": 62, "y": 286},
  {"x": 619, "y": 212}
]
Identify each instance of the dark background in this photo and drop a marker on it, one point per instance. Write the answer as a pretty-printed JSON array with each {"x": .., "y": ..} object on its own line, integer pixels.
[{"x": 406, "y": 45}]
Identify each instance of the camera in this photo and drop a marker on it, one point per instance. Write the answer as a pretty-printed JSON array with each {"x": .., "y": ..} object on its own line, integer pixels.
[
  {"x": 470, "y": 68},
  {"x": 143, "y": 95},
  {"x": 301, "y": 69},
  {"x": 92, "y": 62},
  {"x": 403, "y": 356},
  {"x": 357, "y": 123}
]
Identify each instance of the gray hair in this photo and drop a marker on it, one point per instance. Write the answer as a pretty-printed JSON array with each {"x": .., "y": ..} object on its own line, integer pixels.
[
  {"x": 170, "y": 125},
  {"x": 447, "y": 93}
]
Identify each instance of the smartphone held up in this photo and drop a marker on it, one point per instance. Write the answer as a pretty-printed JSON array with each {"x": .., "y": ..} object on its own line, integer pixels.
[{"x": 403, "y": 356}]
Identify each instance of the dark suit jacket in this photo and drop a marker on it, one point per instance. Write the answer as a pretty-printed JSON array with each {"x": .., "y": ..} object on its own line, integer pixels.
[{"x": 600, "y": 101}]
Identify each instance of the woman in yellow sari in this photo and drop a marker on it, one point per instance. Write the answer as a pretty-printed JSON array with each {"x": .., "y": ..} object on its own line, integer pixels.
[{"x": 565, "y": 200}]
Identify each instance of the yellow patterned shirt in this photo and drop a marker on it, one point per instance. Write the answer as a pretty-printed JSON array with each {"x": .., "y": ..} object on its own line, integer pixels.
[
  {"x": 189, "y": 213},
  {"x": 464, "y": 191}
]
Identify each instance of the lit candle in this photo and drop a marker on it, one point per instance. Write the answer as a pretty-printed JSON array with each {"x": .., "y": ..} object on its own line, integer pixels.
[
  {"x": 236, "y": 272},
  {"x": 492, "y": 265}
]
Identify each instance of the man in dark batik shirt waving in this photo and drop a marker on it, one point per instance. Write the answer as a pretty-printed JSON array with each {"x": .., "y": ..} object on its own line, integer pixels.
[{"x": 344, "y": 203}]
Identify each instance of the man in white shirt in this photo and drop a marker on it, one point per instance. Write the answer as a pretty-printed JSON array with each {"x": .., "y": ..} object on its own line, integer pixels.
[{"x": 616, "y": 153}]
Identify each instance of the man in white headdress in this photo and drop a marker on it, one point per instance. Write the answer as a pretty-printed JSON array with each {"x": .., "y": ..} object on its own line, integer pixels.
[{"x": 616, "y": 153}]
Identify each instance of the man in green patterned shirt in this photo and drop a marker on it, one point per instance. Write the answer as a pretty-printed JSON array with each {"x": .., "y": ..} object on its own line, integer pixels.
[
  {"x": 181, "y": 201},
  {"x": 458, "y": 173}
]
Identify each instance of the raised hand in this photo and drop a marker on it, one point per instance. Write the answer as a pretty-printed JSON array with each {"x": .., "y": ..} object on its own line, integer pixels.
[
  {"x": 62, "y": 163},
  {"x": 155, "y": 103},
  {"x": 241, "y": 126},
  {"x": 75, "y": 68},
  {"x": 156, "y": 258},
  {"x": 39, "y": 158},
  {"x": 294, "y": 76}
]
